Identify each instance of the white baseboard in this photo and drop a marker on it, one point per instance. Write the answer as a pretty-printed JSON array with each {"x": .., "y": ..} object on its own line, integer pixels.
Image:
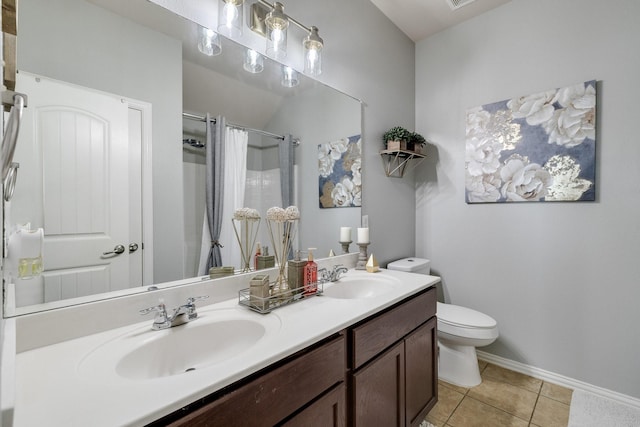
[{"x": 558, "y": 379}]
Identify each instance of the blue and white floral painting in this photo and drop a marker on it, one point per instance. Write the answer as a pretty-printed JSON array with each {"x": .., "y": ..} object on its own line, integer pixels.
[
  {"x": 537, "y": 147},
  {"x": 340, "y": 167}
]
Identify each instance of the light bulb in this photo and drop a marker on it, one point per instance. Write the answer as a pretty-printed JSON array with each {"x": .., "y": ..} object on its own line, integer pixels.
[
  {"x": 230, "y": 17},
  {"x": 289, "y": 77},
  {"x": 208, "y": 42},
  {"x": 230, "y": 14},
  {"x": 253, "y": 61}
]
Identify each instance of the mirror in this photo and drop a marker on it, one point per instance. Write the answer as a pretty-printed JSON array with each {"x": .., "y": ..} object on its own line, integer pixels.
[{"x": 136, "y": 64}]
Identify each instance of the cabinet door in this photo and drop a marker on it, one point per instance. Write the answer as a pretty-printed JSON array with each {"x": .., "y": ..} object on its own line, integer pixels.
[
  {"x": 421, "y": 372},
  {"x": 328, "y": 411},
  {"x": 379, "y": 389}
]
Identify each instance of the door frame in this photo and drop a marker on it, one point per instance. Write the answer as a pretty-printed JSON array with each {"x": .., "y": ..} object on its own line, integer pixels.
[{"x": 145, "y": 109}]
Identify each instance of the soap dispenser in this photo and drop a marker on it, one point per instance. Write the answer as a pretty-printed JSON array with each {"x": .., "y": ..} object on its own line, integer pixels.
[
  {"x": 310, "y": 275},
  {"x": 296, "y": 273}
]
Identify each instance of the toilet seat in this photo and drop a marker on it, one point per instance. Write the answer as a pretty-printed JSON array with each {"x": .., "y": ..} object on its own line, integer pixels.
[{"x": 466, "y": 323}]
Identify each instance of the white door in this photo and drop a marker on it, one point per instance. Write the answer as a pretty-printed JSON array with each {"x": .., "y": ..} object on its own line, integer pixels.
[{"x": 74, "y": 152}]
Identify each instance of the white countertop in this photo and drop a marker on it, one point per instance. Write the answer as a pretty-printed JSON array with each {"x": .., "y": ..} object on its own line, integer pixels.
[{"x": 52, "y": 390}]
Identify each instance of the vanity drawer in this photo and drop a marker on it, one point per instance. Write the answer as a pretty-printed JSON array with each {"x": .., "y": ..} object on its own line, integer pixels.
[
  {"x": 270, "y": 398},
  {"x": 373, "y": 336}
]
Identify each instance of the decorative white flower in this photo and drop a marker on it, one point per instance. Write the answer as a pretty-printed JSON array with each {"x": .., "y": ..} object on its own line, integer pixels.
[
  {"x": 356, "y": 170},
  {"x": 292, "y": 213},
  {"x": 484, "y": 188},
  {"x": 356, "y": 195},
  {"x": 338, "y": 147},
  {"x": 576, "y": 121},
  {"x": 246, "y": 214},
  {"x": 342, "y": 193},
  {"x": 325, "y": 160},
  {"x": 477, "y": 122},
  {"x": 566, "y": 184},
  {"x": 524, "y": 181},
  {"x": 482, "y": 156},
  {"x": 277, "y": 214},
  {"x": 536, "y": 109}
]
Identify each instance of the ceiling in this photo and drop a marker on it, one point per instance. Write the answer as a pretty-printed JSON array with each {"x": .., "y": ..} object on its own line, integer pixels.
[{"x": 419, "y": 19}]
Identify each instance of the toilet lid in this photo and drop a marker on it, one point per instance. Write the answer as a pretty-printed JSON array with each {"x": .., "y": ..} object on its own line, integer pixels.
[{"x": 464, "y": 317}]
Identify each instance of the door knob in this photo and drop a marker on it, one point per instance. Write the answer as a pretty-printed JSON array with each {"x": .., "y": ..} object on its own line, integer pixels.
[
  {"x": 133, "y": 247},
  {"x": 117, "y": 250}
]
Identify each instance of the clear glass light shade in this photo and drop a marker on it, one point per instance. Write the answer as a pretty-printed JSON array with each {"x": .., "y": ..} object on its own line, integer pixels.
[
  {"x": 290, "y": 77},
  {"x": 230, "y": 17},
  {"x": 253, "y": 61},
  {"x": 277, "y": 23},
  {"x": 209, "y": 42},
  {"x": 313, "y": 45}
]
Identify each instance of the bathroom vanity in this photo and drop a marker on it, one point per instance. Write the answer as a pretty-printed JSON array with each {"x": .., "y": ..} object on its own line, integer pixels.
[{"x": 363, "y": 356}]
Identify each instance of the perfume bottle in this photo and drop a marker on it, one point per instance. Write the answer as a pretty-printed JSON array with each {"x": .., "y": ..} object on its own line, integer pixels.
[{"x": 310, "y": 275}]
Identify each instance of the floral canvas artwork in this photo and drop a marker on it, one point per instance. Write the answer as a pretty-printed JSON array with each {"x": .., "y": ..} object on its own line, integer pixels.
[
  {"x": 538, "y": 147},
  {"x": 340, "y": 166}
]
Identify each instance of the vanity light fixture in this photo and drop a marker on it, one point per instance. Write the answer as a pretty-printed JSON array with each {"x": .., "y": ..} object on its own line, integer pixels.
[
  {"x": 230, "y": 17},
  {"x": 270, "y": 21},
  {"x": 290, "y": 77},
  {"x": 313, "y": 45},
  {"x": 277, "y": 23},
  {"x": 253, "y": 61},
  {"x": 209, "y": 42}
]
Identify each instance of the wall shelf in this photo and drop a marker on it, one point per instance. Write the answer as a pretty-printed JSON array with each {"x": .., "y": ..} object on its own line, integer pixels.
[{"x": 395, "y": 162}]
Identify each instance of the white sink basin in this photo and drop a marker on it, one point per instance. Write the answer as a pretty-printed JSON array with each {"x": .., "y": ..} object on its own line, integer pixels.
[
  {"x": 356, "y": 285},
  {"x": 216, "y": 336}
]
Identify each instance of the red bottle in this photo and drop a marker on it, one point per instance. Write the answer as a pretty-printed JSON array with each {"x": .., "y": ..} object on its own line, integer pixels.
[{"x": 310, "y": 275}]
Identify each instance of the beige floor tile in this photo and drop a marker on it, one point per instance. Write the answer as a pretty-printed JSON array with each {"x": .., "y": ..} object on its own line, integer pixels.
[
  {"x": 550, "y": 413},
  {"x": 508, "y": 397},
  {"x": 472, "y": 413},
  {"x": 511, "y": 377},
  {"x": 482, "y": 364},
  {"x": 448, "y": 401},
  {"x": 556, "y": 392},
  {"x": 457, "y": 388}
]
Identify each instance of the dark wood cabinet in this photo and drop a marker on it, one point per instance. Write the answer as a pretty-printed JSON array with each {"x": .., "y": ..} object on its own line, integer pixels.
[
  {"x": 393, "y": 365},
  {"x": 381, "y": 371},
  {"x": 328, "y": 411},
  {"x": 273, "y": 396},
  {"x": 421, "y": 365},
  {"x": 378, "y": 391}
]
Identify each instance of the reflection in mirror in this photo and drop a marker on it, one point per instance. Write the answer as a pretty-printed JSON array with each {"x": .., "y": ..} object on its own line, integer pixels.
[{"x": 103, "y": 167}]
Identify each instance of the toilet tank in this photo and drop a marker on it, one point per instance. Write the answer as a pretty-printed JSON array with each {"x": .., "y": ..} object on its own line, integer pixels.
[{"x": 411, "y": 265}]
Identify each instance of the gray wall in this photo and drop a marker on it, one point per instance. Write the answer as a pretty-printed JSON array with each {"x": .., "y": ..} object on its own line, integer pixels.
[
  {"x": 561, "y": 279},
  {"x": 80, "y": 43}
]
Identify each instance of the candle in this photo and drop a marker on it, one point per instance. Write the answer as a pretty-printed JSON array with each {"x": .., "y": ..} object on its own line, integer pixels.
[
  {"x": 363, "y": 235},
  {"x": 345, "y": 234}
]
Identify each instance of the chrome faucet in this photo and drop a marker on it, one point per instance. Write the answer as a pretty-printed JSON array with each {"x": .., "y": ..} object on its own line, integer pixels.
[
  {"x": 182, "y": 314},
  {"x": 333, "y": 275}
]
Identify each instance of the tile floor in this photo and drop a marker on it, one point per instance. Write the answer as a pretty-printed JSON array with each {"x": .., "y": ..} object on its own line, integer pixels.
[{"x": 504, "y": 398}]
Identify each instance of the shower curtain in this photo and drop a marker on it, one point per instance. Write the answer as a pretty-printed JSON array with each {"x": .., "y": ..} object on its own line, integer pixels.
[
  {"x": 235, "y": 178},
  {"x": 285, "y": 153},
  {"x": 210, "y": 255}
]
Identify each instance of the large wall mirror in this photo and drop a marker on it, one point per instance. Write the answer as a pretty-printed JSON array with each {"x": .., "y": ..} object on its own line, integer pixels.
[{"x": 110, "y": 151}]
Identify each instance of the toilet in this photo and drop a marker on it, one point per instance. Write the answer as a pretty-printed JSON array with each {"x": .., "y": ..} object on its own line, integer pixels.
[{"x": 460, "y": 331}]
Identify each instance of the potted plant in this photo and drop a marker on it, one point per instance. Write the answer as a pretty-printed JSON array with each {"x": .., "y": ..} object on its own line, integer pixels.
[
  {"x": 417, "y": 141},
  {"x": 397, "y": 138}
]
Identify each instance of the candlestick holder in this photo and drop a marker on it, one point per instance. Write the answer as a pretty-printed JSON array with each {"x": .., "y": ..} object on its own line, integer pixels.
[
  {"x": 362, "y": 257},
  {"x": 345, "y": 246}
]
